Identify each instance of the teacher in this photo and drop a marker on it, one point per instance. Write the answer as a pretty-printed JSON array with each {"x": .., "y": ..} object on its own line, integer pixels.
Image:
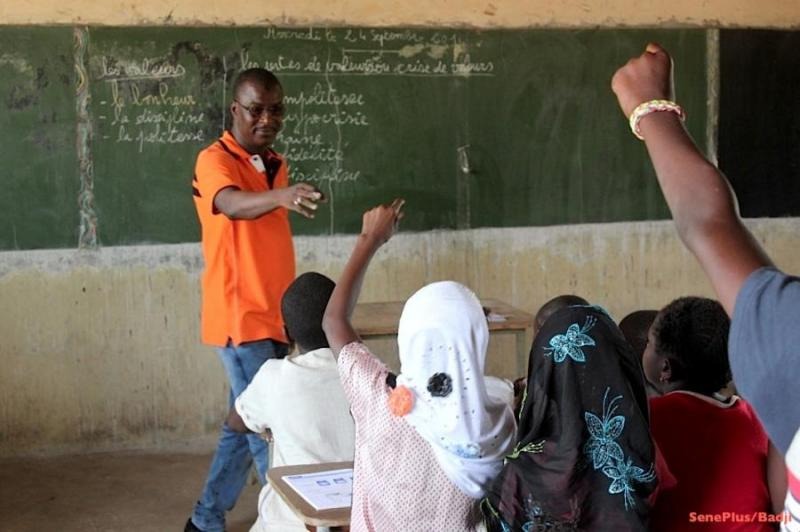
[{"x": 243, "y": 198}]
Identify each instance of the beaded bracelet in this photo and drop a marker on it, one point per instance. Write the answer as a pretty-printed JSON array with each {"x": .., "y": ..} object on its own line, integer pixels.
[{"x": 653, "y": 106}]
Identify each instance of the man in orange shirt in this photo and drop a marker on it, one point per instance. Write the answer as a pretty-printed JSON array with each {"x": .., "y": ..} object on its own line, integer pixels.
[{"x": 243, "y": 198}]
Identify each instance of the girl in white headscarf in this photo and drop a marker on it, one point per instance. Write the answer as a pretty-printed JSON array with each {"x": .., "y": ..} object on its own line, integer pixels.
[
  {"x": 431, "y": 439},
  {"x": 442, "y": 340}
]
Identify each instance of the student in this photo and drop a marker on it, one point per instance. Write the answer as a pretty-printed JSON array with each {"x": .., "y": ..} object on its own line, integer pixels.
[
  {"x": 583, "y": 458},
  {"x": 635, "y": 327},
  {"x": 764, "y": 303},
  {"x": 554, "y": 305},
  {"x": 299, "y": 399},
  {"x": 545, "y": 311},
  {"x": 714, "y": 445},
  {"x": 427, "y": 443}
]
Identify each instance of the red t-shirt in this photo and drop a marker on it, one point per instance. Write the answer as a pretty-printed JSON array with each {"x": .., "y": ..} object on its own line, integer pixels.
[{"x": 718, "y": 456}]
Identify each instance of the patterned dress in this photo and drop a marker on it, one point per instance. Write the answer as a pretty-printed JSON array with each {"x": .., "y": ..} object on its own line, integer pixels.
[{"x": 398, "y": 484}]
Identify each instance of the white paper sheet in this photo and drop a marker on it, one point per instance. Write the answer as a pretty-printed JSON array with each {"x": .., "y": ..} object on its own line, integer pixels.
[{"x": 325, "y": 490}]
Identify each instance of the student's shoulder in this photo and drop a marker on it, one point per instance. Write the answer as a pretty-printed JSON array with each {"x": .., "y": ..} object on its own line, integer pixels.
[
  {"x": 673, "y": 404},
  {"x": 355, "y": 350},
  {"x": 745, "y": 409},
  {"x": 767, "y": 288},
  {"x": 763, "y": 319},
  {"x": 356, "y": 357},
  {"x": 318, "y": 359},
  {"x": 269, "y": 373}
]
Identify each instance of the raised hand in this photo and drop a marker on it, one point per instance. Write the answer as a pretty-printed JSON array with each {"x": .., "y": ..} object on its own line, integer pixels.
[
  {"x": 644, "y": 78},
  {"x": 381, "y": 222}
]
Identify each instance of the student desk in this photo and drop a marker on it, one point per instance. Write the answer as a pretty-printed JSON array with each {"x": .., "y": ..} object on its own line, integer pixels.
[
  {"x": 338, "y": 517},
  {"x": 381, "y": 320}
]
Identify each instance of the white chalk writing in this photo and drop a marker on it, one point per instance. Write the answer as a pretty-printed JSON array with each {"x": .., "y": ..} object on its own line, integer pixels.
[
  {"x": 144, "y": 115},
  {"x": 148, "y": 68},
  {"x": 152, "y": 101}
]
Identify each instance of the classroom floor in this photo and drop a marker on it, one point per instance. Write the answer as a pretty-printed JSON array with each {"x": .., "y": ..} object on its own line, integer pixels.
[{"x": 115, "y": 492}]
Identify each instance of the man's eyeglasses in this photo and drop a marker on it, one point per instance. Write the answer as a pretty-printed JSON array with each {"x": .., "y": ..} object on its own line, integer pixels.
[{"x": 257, "y": 111}]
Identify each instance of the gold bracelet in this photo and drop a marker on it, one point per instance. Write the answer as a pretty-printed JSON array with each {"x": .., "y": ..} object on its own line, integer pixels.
[{"x": 652, "y": 106}]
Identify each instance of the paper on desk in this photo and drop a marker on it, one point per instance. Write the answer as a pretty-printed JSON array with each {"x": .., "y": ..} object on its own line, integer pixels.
[
  {"x": 494, "y": 316},
  {"x": 325, "y": 490}
]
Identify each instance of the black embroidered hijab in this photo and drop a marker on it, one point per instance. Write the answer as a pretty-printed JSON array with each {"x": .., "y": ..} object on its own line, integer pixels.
[{"x": 584, "y": 459}]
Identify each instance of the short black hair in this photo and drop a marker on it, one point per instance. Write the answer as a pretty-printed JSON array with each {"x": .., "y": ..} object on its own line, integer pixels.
[
  {"x": 303, "y": 305},
  {"x": 258, "y": 76},
  {"x": 635, "y": 327},
  {"x": 556, "y": 304},
  {"x": 692, "y": 333}
]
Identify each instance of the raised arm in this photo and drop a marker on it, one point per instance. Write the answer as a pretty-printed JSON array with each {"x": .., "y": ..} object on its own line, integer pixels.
[
  {"x": 243, "y": 205},
  {"x": 378, "y": 226},
  {"x": 699, "y": 196}
]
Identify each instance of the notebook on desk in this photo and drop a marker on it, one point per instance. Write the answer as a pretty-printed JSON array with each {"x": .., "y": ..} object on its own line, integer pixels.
[{"x": 324, "y": 490}]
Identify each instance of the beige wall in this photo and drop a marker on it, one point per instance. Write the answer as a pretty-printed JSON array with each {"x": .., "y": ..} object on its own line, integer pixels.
[
  {"x": 479, "y": 13},
  {"x": 100, "y": 349}
]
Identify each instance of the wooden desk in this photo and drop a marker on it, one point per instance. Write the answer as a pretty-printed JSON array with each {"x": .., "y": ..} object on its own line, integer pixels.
[
  {"x": 382, "y": 319},
  {"x": 303, "y": 510}
]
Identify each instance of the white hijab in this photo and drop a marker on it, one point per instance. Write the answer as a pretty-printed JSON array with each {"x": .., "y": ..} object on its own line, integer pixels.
[{"x": 443, "y": 330}]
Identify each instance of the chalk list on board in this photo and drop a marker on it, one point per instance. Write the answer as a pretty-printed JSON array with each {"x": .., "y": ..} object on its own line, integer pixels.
[
  {"x": 150, "y": 101},
  {"x": 140, "y": 104}
]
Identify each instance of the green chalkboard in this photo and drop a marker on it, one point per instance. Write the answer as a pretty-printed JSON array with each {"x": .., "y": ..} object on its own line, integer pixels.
[
  {"x": 474, "y": 128},
  {"x": 39, "y": 175}
]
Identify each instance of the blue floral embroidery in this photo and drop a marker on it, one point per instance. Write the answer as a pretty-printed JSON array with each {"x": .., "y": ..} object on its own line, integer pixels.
[
  {"x": 537, "y": 519},
  {"x": 602, "y": 446},
  {"x": 534, "y": 513},
  {"x": 605, "y": 452},
  {"x": 569, "y": 344},
  {"x": 623, "y": 473},
  {"x": 464, "y": 450}
]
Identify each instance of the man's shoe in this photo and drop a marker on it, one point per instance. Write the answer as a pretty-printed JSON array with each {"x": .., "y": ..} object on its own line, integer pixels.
[{"x": 190, "y": 527}]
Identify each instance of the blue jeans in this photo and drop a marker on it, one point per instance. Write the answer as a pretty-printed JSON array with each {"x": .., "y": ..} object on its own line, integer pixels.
[{"x": 235, "y": 452}]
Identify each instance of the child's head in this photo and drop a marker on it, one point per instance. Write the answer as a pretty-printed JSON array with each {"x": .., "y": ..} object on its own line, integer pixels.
[
  {"x": 438, "y": 321},
  {"x": 687, "y": 347},
  {"x": 636, "y": 326},
  {"x": 303, "y": 305},
  {"x": 553, "y": 306}
]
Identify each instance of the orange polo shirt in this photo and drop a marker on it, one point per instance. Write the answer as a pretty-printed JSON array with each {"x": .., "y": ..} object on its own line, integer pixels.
[{"x": 248, "y": 263}]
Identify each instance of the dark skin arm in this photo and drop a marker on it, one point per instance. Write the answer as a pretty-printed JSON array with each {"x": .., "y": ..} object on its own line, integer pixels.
[
  {"x": 242, "y": 205},
  {"x": 378, "y": 226},
  {"x": 699, "y": 196},
  {"x": 235, "y": 422}
]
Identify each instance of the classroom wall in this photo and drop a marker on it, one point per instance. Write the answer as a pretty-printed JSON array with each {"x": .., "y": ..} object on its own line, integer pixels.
[{"x": 100, "y": 349}]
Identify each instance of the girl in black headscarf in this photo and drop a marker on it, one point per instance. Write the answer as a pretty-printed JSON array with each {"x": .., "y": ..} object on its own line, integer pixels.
[{"x": 584, "y": 459}]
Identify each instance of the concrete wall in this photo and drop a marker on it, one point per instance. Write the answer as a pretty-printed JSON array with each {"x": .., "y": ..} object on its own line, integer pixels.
[
  {"x": 481, "y": 13},
  {"x": 100, "y": 349}
]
